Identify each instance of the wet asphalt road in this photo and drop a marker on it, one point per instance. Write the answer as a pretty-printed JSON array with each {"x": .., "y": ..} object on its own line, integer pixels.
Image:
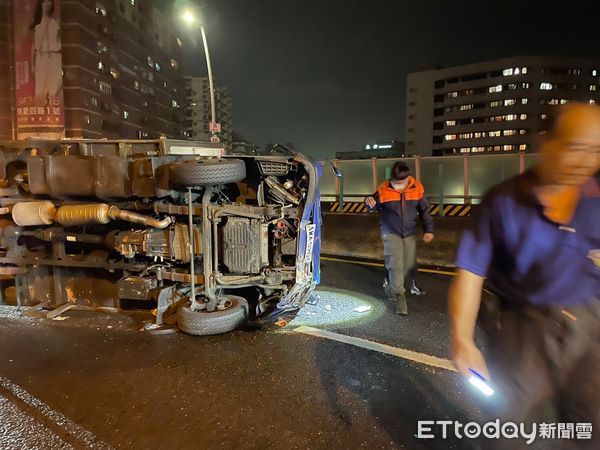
[{"x": 94, "y": 380}]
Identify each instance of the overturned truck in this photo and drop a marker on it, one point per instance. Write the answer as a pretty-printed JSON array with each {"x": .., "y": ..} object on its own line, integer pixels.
[{"x": 174, "y": 226}]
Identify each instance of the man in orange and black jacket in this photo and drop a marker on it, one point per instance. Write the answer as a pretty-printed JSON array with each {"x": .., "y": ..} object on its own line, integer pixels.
[{"x": 401, "y": 202}]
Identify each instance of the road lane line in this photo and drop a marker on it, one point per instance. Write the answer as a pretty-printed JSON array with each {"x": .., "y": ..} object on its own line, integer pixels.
[
  {"x": 410, "y": 355},
  {"x": 53, "y": 416},
  {"x": 19, "y": 430},
  {"x": 373, "y": 264}
]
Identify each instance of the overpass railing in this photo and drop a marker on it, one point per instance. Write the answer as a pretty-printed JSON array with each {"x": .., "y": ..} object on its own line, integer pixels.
[{"x": 447, "y": 179}]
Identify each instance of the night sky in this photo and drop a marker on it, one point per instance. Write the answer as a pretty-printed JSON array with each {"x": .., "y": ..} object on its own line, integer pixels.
[{"x": 329, "y": 75}]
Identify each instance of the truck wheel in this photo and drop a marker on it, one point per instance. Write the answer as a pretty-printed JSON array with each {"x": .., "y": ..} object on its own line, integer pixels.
[
  {"x": 206, "y": 172},
  {"x": 201, "y": 323}
]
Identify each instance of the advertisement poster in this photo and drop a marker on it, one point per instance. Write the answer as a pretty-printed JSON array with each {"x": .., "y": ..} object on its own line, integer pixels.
[{"x": 38, "y": 69}]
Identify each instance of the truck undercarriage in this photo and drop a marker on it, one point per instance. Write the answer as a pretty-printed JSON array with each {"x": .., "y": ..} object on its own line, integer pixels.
[{"x": 165, "y": 225}]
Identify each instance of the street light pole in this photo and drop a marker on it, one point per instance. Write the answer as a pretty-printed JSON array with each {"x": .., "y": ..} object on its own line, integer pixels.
[{"x": 213, "y": 118}]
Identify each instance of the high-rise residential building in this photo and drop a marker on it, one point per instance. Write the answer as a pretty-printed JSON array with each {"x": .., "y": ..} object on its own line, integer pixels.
[
  {"x": 493, "y": 106},
  {"x": 109, "y": 69},
  {"x": 198, "y": 110}
]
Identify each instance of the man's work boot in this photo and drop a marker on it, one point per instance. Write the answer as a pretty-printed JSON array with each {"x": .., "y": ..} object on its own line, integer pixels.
[
  {"x": 401, "y": 307},
  {"x": 388, "y": 291},
  {"x": 416, "y": 290}
]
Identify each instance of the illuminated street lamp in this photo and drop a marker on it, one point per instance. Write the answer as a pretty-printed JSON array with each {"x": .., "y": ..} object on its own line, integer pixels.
[{"x": 190, "y": 19}]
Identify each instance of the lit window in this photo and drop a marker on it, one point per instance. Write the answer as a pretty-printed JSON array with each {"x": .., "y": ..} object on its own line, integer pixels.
[
  {"x": 100, "y": 10},
  {"x": 179, "y": 42},
  {"x": 553, "y": 101},
  {"x": 522, "y": 131},
  {"x": 495, "y": 133},
  {"x": 105, "y": 88},
  {"x": 523, "y": 70},
  {"x": 592, "y": 101},
  {"x": 450, "y": 137},
  {"x": 150, "y": 76},
  {"x": 523, "y": 117},
  {"x": 512, "y": 86},
  {"x": 466, "y": 107},
  {"x": 174, "y": 64},
  {"x": 574, "y": 71},
  {"x": 87, "y": 119},
  {"x": 510, "y": 102},
  {"x": 157, "y": 67},
  {"x": 507, "y": 72},
  {"x": 593, "y": 87},
  {"x": 449, "y": 123},
  {"x": 94, "y": 101},
  {"x": 100, "y": 65},
  {"x": 564, "y": 101},
  {"x": 524, "y": 101},
  {"x": 125, "y": 114},
  {"x": 523, "y": 147},
  {"x": 136, "y": 85},
  {"x": 150, "y": 61},
  {"x": 132, "y": 2},
  {"x": 174, "y": 104},
  {"x": 543, "y": 116},
  {"x": 511, "y": 117},
  {"x": 544, "y": 86},
  {"x": 509, "y": 132},
  {"x": 508, "y": 148},
  {"x": 495, "y": 103},
  {"x": 495, "y": 88},
  {"x": 114, "y": 73},
  {"x": 517, "y": 71},
  {"x": 525, "y": 85}
]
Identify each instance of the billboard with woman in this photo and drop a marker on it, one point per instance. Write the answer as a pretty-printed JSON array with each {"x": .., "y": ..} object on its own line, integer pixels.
[{"x": 38, "y": 69}]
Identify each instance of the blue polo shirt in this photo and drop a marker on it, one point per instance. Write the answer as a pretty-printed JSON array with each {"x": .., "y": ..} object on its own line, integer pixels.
[{"x": 526, "y": 257}]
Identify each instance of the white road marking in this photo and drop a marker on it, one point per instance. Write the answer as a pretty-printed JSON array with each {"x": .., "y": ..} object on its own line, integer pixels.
[
  {"x": 55, "y": 417},
  {"x": 19, "y": 430},
  {"x": 410, "y": 355}
]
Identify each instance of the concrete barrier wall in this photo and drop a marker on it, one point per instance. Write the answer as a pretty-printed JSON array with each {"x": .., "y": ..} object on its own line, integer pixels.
[{"x": 358, "y": 236}]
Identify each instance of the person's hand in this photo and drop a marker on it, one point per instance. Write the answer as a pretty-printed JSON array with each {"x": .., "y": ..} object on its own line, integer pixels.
[
  {"x": 466, "y": 355},
  {"x": 370, "y": 201},
  {"x": 428, "y": 237}
]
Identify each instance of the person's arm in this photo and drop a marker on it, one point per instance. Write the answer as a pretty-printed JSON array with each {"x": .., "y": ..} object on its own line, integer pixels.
[
  {"x": 372, "y": 202},
  {"x": 473, "y": 260},
  {"x": 426, "y": 219},
  {"x": 463, "y": 301}
]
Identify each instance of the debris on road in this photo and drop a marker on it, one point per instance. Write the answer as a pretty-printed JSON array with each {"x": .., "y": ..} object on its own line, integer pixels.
[
  {"x": 327, "y": 307},
  {"x": 61, "y": 309},
  {"x": 60, "y": 318},
  {"x": 362, "y": 308},
  {"x": 281, "y": 323}
]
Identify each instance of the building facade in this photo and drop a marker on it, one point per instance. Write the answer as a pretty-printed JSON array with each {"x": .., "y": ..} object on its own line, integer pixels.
[
  {"x": 6, "y": 71},
  {"x": 121, "y": 71},
  {"x": 199, "y": 112},
  {"x": 494, "y": 106},
  {"x": 381, "y": 149}
]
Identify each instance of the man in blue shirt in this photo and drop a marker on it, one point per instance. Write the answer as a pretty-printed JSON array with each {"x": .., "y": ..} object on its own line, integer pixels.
[{"x": 536, "y": 238}]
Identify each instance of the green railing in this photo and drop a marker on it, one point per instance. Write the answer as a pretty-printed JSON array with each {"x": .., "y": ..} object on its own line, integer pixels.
[{"x": 447, "y": 179}]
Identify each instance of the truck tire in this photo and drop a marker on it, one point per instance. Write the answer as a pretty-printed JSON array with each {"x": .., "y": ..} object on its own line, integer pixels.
[
  {"x": 206, "y": 172},
  {"x": 201, "y": 323}
]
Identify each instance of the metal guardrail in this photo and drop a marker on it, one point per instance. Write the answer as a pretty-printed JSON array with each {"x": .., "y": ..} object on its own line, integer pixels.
[{"x": 447, "y": 179}]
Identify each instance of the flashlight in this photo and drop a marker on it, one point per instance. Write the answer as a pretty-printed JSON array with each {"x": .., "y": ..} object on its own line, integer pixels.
[{"x": 480, "y": 383}]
